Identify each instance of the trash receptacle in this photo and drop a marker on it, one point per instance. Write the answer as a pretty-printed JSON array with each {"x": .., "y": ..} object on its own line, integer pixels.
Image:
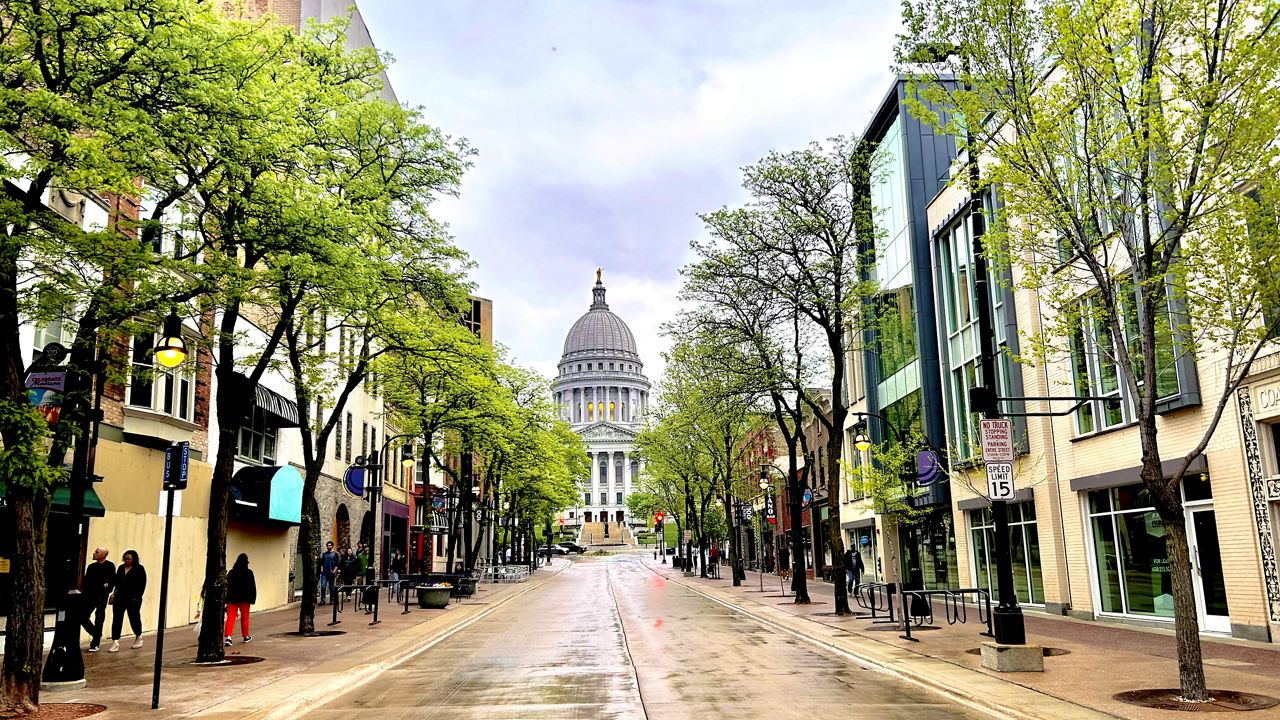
[{"x": 675, "y": 561}]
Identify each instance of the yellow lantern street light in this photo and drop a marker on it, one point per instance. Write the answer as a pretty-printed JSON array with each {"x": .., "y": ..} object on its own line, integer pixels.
[
  {"x": 861, "y": 440},
  {"x": 172, "y": 350}
]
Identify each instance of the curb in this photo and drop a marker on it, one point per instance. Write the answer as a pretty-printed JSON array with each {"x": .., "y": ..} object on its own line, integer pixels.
[
  {"x": 316, "y": 692},
  {"x": 1037, "y": 704}
]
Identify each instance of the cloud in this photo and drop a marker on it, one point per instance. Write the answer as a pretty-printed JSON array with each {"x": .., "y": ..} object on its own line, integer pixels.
[{"x": 604, "y": 128}]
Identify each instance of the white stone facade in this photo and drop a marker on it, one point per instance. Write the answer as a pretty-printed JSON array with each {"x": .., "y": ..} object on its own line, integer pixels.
[{"x": 602, "y": 390}]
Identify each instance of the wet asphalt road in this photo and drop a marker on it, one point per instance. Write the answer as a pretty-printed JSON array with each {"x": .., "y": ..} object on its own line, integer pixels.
[{"x": 608, "y": 638}]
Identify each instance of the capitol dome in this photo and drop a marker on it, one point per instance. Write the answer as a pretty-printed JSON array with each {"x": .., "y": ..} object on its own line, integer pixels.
[
  {"x": 600, "y": 333},
  {"x": 600, "y": 376}
]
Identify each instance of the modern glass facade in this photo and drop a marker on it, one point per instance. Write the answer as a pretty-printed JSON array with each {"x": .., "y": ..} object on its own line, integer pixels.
[
  {"x": 896, "y": 346},
  {"x": 959, "y": 341}
]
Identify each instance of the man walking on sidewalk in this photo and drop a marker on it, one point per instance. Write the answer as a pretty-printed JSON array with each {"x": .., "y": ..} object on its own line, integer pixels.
[
  {"x": 99, "y": 581},
  {"x": 328, "y": 574},
  {"x": 853, "y": 568}
]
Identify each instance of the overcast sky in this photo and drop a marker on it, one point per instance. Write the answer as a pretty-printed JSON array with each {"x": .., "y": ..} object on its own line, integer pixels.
[{"x": 604, "y": 127}]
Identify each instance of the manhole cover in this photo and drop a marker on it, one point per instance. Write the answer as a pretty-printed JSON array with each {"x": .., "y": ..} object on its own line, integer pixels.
[
  {"x": 317, "y": 633},
  {"x": 228, "y": 661},
  {"x": 898, "y": 628},
  {"x": 1048, "y": 651},
  {"x": 1223, "y": 700},
  {"x": 65, "y": 711}
]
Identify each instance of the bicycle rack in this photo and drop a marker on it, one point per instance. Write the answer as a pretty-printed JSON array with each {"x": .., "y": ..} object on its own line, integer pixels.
[
  {"x": 876, "y": 597},
  {"x": 954, "y": 606},
  {"x": 364, "y": 591}
]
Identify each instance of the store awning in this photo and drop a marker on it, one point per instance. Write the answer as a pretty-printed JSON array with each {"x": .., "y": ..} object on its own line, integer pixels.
[
  {"x": 276, "y": 404},
  {"x": 284, "y": 409},
  {"x": 267, "y": 493},
  {"x": 62, "y": 501}
]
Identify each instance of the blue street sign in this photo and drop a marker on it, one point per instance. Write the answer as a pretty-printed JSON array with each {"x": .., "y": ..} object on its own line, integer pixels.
[
  {"x": 176, "y": 459},
  {"x": 929, "y": 468}
]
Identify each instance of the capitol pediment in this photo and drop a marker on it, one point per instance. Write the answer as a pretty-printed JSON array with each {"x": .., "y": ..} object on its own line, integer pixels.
[{"x": 607, "y": 431}]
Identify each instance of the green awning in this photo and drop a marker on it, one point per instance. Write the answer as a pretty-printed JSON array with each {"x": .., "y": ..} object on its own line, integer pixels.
[{"x": 62, "y": 500}]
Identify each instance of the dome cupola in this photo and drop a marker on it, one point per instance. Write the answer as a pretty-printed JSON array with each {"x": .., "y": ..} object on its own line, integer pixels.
[{"x": 600, "y": 333}]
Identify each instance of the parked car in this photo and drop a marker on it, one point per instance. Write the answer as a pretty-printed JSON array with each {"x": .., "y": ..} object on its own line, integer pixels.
[{"x": 571, "y": 547}]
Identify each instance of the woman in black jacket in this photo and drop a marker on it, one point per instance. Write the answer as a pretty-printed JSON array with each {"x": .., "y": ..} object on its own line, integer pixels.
[
  {"x": 126, "y": 599},
  {"x": 242, "y": 592}
]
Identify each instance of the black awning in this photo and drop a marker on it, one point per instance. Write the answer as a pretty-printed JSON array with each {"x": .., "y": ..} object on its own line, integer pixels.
[{"x": 284, "y": 409}]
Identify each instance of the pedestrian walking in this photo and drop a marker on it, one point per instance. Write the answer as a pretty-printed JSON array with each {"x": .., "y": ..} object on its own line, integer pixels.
[
  {"x": 347, "y": 568},
  {"x": 242, "y": 591},
  {"x": 362, "y": 561},
  {"x": 329, "y": 574},
  {"x": 853, "y": 568},
  {"x": 99, "y": 581},
  {"x": 126, "y": 599}
]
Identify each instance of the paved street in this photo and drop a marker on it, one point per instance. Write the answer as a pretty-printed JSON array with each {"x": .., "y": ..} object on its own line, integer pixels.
[{"x": 608, "y": 638}]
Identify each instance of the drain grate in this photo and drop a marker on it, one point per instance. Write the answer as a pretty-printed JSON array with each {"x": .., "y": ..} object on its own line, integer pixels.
[
  {"x": 1223, "y": 700},
  {"x": 228, "y": 661}
]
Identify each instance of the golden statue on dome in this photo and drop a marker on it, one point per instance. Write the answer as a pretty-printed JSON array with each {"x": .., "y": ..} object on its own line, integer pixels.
[{"x": 598, "y": 271}]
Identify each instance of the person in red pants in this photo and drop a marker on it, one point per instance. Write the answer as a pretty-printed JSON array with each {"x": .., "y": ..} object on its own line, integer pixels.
[{"x": 242, "y": 592}]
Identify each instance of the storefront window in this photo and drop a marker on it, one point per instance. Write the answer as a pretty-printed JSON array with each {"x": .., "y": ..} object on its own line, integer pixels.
[
  {"x": 1129, "y": 545},
  {"x": 929, "y": 552},
  {"x": 1024, "y": 551}
]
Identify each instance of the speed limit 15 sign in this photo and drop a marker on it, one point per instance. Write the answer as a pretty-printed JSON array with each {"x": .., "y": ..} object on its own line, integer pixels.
[{"x": 1000, "y": 481}]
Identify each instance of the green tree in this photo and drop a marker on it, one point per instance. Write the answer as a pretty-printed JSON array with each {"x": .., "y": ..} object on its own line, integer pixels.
[
  {"x": 1130, "y": 144},
  {"x": 87, "y": 92},
  {"x": 381, "y": 286},
  {"x": 797, "y": 243}
]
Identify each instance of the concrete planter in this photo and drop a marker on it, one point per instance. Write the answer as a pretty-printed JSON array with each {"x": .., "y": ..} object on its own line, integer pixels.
[{"x": 435, "y": 598}]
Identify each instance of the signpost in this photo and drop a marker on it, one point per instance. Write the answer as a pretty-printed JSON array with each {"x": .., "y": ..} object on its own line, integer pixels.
[
  {"x": 997, "y": 440},
  {"x": 1000, "y": 481},
  {"x": 769, "y": 513},
  {"x": 175, "y": 479}
]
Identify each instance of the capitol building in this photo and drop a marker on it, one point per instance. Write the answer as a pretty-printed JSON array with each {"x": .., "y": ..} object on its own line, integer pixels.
[{"x": 601, "y": 389}]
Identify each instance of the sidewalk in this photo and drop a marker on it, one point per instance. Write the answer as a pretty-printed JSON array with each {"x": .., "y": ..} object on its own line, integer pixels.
[
  {"x": 295, "y": 673},
  {"x": 1102, "y": 659}
]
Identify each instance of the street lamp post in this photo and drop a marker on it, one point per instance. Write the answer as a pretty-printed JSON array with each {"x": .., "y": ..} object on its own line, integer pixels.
[
  {"x": 1007, "y": 617},
  {"x": 373, "y": 490},
  {"x": 767, "y": 489},
  {"x": 65, "y": 665}
]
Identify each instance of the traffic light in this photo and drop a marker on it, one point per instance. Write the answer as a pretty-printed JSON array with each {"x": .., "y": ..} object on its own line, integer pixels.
[{"x": 657, "y": 521}]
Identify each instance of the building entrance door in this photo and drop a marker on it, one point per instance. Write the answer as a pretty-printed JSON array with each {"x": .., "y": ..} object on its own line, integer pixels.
[{"x": 1206, "y": 563}]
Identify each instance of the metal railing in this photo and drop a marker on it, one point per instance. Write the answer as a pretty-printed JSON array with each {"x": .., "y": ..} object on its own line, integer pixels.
[{"x": 367, "y": 595}]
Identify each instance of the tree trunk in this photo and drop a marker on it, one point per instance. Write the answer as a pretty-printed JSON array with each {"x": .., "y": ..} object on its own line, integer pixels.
[
  {"x": 1186, "y": 626},
  {"x": 308, "y": 550},
  {"x": 799, "y": 581},
  {"x": 24, "y": 637},
  {"x": 209, "y": 648},
  {"x": 834, "y": 536}
]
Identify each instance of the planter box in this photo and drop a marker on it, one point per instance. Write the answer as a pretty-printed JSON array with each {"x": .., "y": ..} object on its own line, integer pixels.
[{"x": 433, "y": 597}]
